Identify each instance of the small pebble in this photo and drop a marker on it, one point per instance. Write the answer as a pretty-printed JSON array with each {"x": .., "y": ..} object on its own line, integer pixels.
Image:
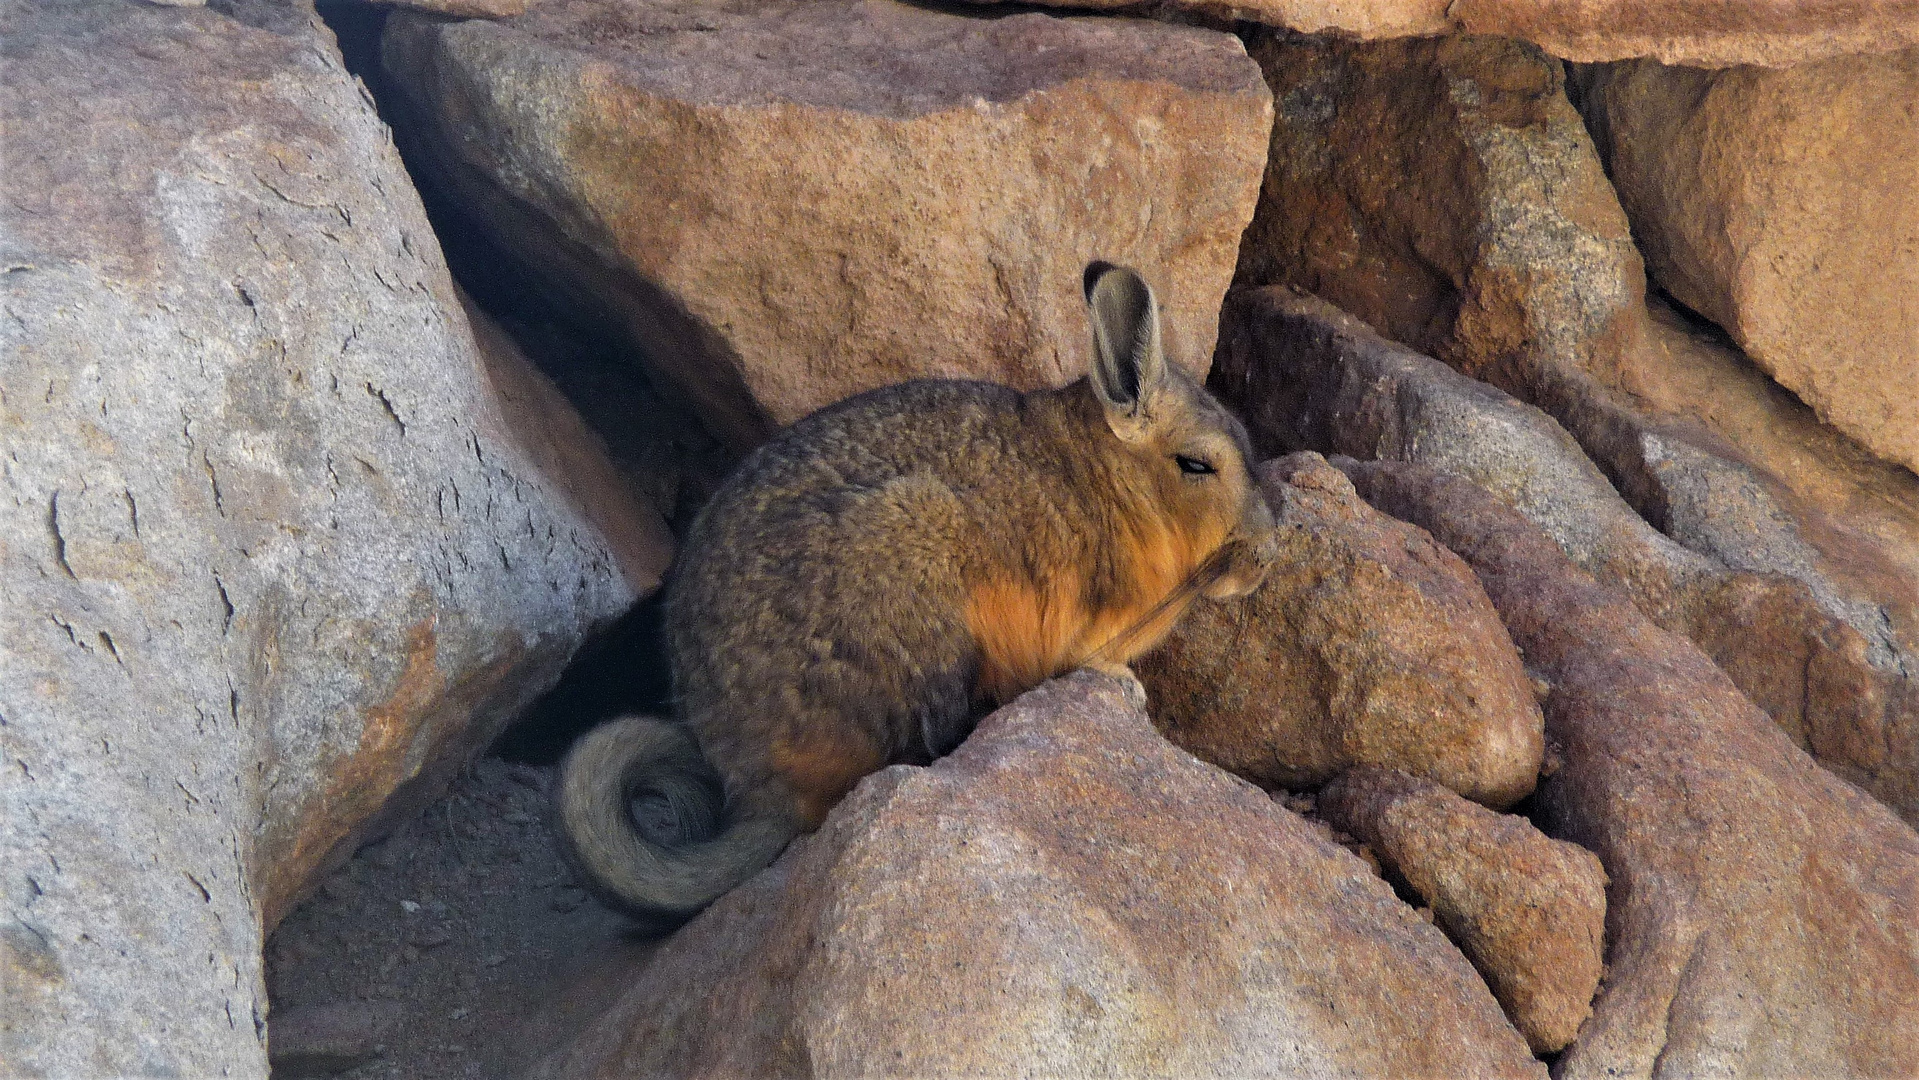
[
  {"x": 494, "y": 960},
  {"x": 409, "y": 906}
]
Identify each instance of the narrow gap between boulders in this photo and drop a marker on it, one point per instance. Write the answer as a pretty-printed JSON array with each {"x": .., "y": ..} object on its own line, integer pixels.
[{"x": 459, "y": 946}]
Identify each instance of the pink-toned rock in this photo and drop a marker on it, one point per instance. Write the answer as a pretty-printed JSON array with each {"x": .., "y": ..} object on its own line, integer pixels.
[
  {"x": 1740, "y": 470},
  {"x": 1764, "y": 915},
  {"x": 1781, "y": 205},
  {"x": 464, "y": 9},
  {"x": 1703, "y": 33},
  {"x": 1516, "y": 267},
  {"x": 1366, "y": 644},
  {"x": 1307, "y": 375},
  {"x": 1528, "y": 911},
  {"x": 785, "y": 203},
  {"x": 1065, "y": 895}
]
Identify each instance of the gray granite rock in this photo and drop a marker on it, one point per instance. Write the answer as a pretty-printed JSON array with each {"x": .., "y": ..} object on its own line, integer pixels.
[{"x": 274, "y": 559}]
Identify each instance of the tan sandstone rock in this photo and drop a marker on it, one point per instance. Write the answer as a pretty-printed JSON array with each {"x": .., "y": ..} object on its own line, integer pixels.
[
  {"x": 1520, "y": 271},
  {"x": 788, "y": 203},
  {"x": 275, "y": 561},
  {"x": 1065, "y": 895},
  {"x": 1703, "y": 33},
  {"x": 1740, "y": 470},
  {"x": 1763, "y": 915},
  {"x": 1529, "y": 911},
  {"x": 1511, "y": 261},
  {"x": 1367, "y": 644},
  {"x": 1782, "y": 205}
]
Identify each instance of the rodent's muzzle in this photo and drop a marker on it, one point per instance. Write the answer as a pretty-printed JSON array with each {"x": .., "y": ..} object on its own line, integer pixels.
[{"x": 1248, "y": 552}]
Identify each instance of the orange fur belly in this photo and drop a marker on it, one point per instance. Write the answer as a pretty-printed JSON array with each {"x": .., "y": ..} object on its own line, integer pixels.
[{"x": 1027, "y": 635}]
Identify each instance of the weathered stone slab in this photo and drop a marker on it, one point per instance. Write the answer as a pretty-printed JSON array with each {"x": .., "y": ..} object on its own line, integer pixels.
[
  {"x": 1528, "y": 910},
  {"x": 1781, "y": 205},
  {"x": 1701, "y": 33},
  {"x": 1520, "y": 270},
  {"x": 786, "y": 203}
]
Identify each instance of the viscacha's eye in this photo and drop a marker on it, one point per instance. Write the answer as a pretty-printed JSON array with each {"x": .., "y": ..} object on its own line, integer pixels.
[{"x": 1194, "y": 466}]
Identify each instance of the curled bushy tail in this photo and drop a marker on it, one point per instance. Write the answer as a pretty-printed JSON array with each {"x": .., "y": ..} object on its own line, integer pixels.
[{"x": 666, "y": 880}]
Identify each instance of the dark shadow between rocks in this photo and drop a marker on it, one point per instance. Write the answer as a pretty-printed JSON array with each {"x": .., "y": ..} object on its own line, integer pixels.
[{"x": 621, "y": 670}]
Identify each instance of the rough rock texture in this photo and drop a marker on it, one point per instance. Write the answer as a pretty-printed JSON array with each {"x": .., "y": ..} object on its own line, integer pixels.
[
  {"x": 1781, "y": 205},
  {"x": 1512, "y": 261},
  {"x": 1736, "y": 468},
  {"x": 1529, "y": 911},
  {"x": 571, "y": 457},
  {"x": 1065, "y": 895},
  {"x": 786, "y": 204},
  {"x": 272, "y": 557},
  {"x": 797, "y": 202},
  {"x": 1367, "y": 644},
  {"x": 1522, "y": 273},
  {"x": 1705, "y": 33},
  {"x": 1763, "y": 915},
  {"x": 1307, "y": 375}
]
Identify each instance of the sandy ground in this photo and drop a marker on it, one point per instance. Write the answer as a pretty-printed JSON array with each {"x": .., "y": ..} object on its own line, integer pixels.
[{"x": 457, "y": 948}]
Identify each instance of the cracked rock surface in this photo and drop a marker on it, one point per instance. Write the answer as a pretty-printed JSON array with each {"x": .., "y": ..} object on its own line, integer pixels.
[
  {"x": 1774, "y": 202},
  {"x": 1826, "y": 651},
  {"x": 274, "y": 559}
]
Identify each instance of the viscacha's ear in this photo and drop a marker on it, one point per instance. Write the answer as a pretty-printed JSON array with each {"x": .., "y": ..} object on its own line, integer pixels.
[{"x": 1128, "y": 367}]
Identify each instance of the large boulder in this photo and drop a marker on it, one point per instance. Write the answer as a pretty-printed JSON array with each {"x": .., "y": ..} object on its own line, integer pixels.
[
  {"x": 1065, "y": 895},
  {"x": 1763, "y": 915},
  {"x": 1704, "y": 33},
  {"x": 1781, "y": 205},
  {"x": 276, "y": 558},
  {"x": 1521, "y": 271},
  {"x": 786, "y": 203},
  {"x": 1367, "y": 644}
]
